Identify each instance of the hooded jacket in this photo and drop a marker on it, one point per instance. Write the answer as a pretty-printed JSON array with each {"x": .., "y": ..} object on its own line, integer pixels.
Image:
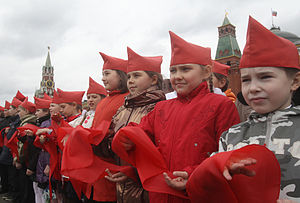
[{"x": 279, "y": 131}]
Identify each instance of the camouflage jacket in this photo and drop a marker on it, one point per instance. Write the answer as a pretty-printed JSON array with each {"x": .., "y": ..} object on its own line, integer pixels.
[{"x": 280, "y": 132}]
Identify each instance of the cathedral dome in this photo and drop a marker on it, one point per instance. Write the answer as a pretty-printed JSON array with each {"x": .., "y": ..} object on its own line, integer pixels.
[{"x": 287, "y": 35}]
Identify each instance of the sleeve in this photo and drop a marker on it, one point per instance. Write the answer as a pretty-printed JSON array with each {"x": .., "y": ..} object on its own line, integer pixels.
[
  {"x": 33, "y": 154},
  {"x": 147, "y": 124},
  {"x": 227, "y": 116}
]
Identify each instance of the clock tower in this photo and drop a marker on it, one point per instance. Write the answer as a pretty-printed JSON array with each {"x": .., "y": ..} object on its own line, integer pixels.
[{"x": 47, "y": 84}]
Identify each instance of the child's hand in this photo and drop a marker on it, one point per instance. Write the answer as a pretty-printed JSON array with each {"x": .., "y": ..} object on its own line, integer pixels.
[
  {"x": 29, "y": 172},
  {"x": 7, "y": 129},
  {"x": 47, "y": 170},
  {"x": 178, "y": 183},
  {"x": 28, "y": 133},
  {"x": 116, "y": 178},
  {"x": 42, "y": 131},
  {"x": 56, "y": 117},
  {"x": 239, "y": 168},
  {"x": 18, "y": 165},
  {"x": 285, "y": 201}
]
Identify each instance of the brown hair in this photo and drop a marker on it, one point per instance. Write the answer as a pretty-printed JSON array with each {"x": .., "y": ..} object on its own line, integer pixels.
[
  {"x": 159, "y": 78},
  {"x": 123, "y": 81},
  {"x": 290, "y": 73},
  {"x": 222, "y": 77},
  {"x": 210, "y": 81}
]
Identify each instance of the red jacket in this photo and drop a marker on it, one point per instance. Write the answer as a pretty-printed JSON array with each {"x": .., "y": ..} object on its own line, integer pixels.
[{"x": 186, "y": 130}]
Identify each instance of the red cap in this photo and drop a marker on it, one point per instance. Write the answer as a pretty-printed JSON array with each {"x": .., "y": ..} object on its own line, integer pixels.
[
  {"x": 47, "y": 97},
  {"x": 69, "y": 97},
  {"x": 28, "y": 105},
  {"x": 184, "y": 52},
  {"x": 56, "y": 98},
  {"x": 113, "y": 63},
  {"x": 137, "y": 62},
  {"x": 7, "y": 105},
  {"x": 20, "y": 96},
  {"x": 95, "y": 88},
  {"x": 2, "y": 108},
  {"x": 42, "y": 103},
  {"x": 15, "y": 102},
  {"x": 265, "y": 49},
  {"x": 220, "y": 68}
]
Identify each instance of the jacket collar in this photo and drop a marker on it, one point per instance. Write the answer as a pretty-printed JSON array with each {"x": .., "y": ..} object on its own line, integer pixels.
[{"x": 201, "y": 89}]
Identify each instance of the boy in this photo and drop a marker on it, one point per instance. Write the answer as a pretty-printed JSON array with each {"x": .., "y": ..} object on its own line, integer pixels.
[{"x": 269, "y": 74}]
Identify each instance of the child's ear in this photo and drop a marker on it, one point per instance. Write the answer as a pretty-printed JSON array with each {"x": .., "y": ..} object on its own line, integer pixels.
[
  {"x": 296, "y": 82},
  {"x": 154, "y": 80},
  {"x": 207, "y": 71}
]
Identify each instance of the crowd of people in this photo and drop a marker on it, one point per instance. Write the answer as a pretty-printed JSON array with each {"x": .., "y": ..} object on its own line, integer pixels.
[{"x": 135, "y": 143}]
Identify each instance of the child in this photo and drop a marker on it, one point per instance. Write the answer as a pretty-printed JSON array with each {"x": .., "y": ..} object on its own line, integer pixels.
[
  {"x": 186, "y": 130},
  {"x": 144, "y": 84},
  {"x": 269, "y": 74},
  {"x": 220, "y": 80}
]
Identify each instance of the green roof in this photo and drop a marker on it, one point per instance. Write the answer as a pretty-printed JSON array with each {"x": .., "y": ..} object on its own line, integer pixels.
[
  {"x": 226, "y": 21},
  {"x": 227, "y": 46}
]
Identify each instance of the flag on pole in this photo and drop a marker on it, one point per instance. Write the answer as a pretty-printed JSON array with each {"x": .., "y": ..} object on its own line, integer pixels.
[{"x": 274, "y": 13}]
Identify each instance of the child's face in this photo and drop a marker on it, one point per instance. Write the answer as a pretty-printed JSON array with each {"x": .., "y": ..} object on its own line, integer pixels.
[
  {"x": 93, "y": 100},
  {"x": 186, "y": 77},
  {"x": 22, "y": 112},
  {"x": 266, "y": 89},
  {"x": 40, "y": 113},
  {"x": 54, "y": 109},
  {"x": 139, "y": 81},
  {"x": 111, "y": 79},
  {"x": 68, "y": 109}
]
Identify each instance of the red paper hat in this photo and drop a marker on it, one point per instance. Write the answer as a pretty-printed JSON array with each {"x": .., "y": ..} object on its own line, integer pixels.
[
  {"x": 56, "y": 98},
  {"x": 113, "y": 63},
  {"x": 69, "y": 97},
  {"x": 184, "y": 52},
  {"x": 265, "y": 49},
  {"x": 28, "y": 105},
  {"x": 42, "y": 103},
  {"x": 137, "y": 62},
  {"x": 7, "y": 105},
  {"x": 20, "y": 96},
  {"x": 15, "y": 102},
  {"x": 47, "y": 97},
  {"x": 220, "y": 68},
  {"x": 95, "y": 88},
  {"x": 2, "y": 108}
]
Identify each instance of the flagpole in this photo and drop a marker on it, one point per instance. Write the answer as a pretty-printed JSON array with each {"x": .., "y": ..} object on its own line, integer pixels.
[{"x": 272, "y": 18}]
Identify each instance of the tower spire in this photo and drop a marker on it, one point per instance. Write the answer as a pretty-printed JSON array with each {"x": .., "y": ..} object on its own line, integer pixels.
[{"x": 48, "y": 61}]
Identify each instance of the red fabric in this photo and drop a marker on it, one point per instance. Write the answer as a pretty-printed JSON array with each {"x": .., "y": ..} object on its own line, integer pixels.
[
  {"x": 47, "y": 97},
  {"x": 12, "y": 144},
  {"x": 95, "y": 88},
  {"x": 187, "y": 129},
  {"x": 137, "y": 62},
  {"x": 28, "y": 105},
  {"x": 69, "y": 97},
  {"x": 20, "y": 96},
  {"x": 220, "y": 68},
  {"x": 42, "y": 103},
  {"x": 114, "y": 63},
  {"x": 184, "y": 52},
  {"x": 146, "y": 158},
  {"x": 265, "y": 49},
  {"x": 207, "y": 183},
  {"x": 56, "y": 99},
  {"x": 15, "y": 102},
  {"x": 7, "y": 105},
  {"x": 107, "y": 108},
  {"x": 31, "y": 127}
]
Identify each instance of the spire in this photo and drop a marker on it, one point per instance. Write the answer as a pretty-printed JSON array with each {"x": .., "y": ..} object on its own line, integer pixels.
[
  {"x": 226, "y": 20},
  {"x": 48, "y": 61}
]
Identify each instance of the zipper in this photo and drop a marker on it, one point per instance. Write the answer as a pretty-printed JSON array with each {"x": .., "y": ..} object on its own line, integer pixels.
[{"x": 268, "y": 133}]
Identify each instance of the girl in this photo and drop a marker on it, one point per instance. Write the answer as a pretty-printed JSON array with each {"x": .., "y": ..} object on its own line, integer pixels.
[
  {"x": 220, "y": 79},
  {"x": 95, "y": 94},
  {"x": 144, "y": 84},
  {"x": 186, "y": 130}
]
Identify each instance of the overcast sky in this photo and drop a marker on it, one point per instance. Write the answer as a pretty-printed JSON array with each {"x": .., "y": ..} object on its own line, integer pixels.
[{"x": 76, "y": 30}]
